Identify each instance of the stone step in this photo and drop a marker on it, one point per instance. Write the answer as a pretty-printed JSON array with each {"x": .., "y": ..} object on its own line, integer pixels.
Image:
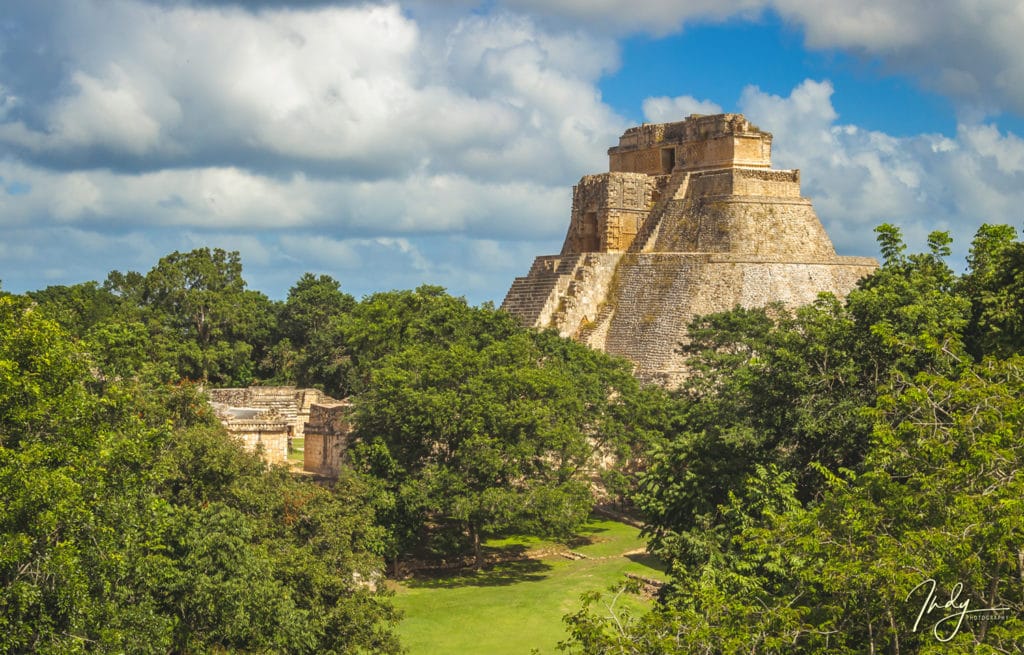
[
  {"x": 528, "y": 295},
  {"x": 602, "y": 316},
  {"x": 675, "y": 193}
]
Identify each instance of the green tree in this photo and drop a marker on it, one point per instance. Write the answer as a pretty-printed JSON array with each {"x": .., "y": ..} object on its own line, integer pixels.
[
  {"x": 129, "y": 522},
  {"x": 200, "y": 315},
  {"x": 479, "y": 427},
  {"x": 383, "y": 324},
  {"x": 995, "y": 286},
  {"x": 909, "y": 314},
  {"x": 309, "y": 350},
  {"x": 78, "y": 307},
  {"x": 771, "y": 387},
  {"x": 938, "y": 502},
  {"x": 826, "y": 463}
]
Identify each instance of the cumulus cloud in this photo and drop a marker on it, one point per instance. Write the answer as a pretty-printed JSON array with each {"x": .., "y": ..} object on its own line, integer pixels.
[
  {"x": 969, "y": 51},
  {"x": 298, "y": 135},
  {"x": 664, "y": 109},
  {"x": 233, "y": 198},
  {"x": 391, "y": 144},
  {"x": 658, "y": 17},
  {"x": 361, "y": 91},
  {"x": 858, "y": 178}
]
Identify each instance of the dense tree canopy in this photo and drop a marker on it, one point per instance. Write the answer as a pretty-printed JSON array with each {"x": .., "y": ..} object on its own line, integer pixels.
[
  {"x": 307, "y": 351},
  {"x": 200, "y": 317},
  {"x": 825, "y": 469},
  {"x": 129, "y": 522},
  {"x": 476, "y": 424},
  {"x": 820, "y": 472},
  {"x": 132, "y": 524}
]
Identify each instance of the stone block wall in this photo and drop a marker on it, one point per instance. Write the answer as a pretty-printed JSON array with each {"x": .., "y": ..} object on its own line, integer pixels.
[
  {"x": 647, "y": 161},
  {"x": 271, "y": 439},
  {"x": 607, "y": 212},
  {"x": 267, "y": 416},
  {"x": 658, "y": 294},
  {"x": 724, "y": 152},
  {"x": 327, "y": 438},
  {"x": 535, "y": 298},
  {"x": 700, "y": 142},
  {"x": 744, "y": 211},
  {"x": 581, "y": 304},
  {"x": 264, "y": 431},
  {"x": 767, "y": 183}
]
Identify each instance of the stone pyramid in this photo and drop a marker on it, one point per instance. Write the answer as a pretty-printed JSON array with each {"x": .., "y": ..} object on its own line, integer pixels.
[{"x": 690, "y": 220}]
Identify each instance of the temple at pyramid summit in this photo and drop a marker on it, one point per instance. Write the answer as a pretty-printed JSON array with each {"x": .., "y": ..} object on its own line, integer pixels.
[{"x": 691, "y": 219}]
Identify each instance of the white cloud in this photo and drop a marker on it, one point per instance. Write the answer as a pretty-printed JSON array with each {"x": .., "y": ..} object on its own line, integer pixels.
[
  {"x": 658, "y": 17},
  {"x": 970, "y": 51},
  {"x": 664, "y": 109},
  {"x": 231, "y": 198},
  {"x": 321, "y": 252},
  {"x": 859, "y": 178},
  {"x": 400, "y": 147},
  {"x": 111, "y": 111},
  {"x": 364, "y": 91}
]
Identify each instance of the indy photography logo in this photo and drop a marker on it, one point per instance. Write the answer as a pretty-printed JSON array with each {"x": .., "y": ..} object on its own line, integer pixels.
[{"x": 949, "y": 614}]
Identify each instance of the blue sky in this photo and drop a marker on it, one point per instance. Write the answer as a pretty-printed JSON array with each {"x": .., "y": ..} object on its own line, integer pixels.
[{"x": 391, "y": 145}]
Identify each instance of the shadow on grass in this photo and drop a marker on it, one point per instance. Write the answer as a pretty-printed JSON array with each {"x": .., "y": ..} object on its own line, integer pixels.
[
  {"x": 587, "y": 534},
  {"x": 648, "y": 560},
  {"x": 495, "y": 575}
]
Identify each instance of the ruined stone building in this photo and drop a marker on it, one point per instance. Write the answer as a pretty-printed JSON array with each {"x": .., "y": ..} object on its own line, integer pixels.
[
  {"x": 327, "y": 437},
  {"x": 268, "y": 418},
  {"x": 690, "y": 219}
]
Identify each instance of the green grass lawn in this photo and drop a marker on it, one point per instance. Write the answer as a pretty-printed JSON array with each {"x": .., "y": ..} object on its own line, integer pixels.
[
  {"x": 518, "y": 606},
  {"x": 295, "y": 455}
]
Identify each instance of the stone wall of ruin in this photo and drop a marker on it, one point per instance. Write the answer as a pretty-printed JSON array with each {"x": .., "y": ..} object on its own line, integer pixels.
[
  {"x": 657, "y": 295},
  {"x": 607, "y": 211},
  {"x": 647, "y": 161},
  {"x": 327, "y": 438},
  {"x": 278, "y": 415},
  {"x": 536, "y": 297},
  {"x": 290, "y": 402},
  {"x": 713, "y": 218},
  {"x": 700, "y": 142},
  {"x": 724, "y": 152},
  {"x": 584, "y": 299},
  {"x": 265, "y": 433}
]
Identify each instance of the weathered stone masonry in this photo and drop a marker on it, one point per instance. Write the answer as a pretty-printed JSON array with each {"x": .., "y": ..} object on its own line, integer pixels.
[
  {"x": 268, "y": 418},
  {"x": 690, "y": 219},
  {"x": 327, "y": 438}
]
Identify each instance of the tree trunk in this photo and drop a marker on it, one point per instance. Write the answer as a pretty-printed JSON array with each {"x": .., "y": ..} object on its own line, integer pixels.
[
  {"x": 895, "y": 634},
  {"x": 478, "y": 556}
]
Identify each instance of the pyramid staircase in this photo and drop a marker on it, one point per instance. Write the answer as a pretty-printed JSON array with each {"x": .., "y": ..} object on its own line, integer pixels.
[
  {"x": 529, "y": 296},
  {"x": 672, "y": 199},
  {"x": 577, "y": 284}
]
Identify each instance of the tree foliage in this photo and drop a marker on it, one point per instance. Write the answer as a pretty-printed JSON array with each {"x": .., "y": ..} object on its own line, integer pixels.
[
  {"x": 828, "y": 467},
  {"x": 307, "y": 350},
  {"x": 819, "y": 472},
  {"x": 476, "y": 425},
  {"x": 130, "y": 523},
  {"x": 200, "y": 316}
]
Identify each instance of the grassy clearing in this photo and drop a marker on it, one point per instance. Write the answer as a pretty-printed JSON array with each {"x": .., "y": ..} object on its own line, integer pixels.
[
  {"x": 295, "y": 453},
  {"x": 518, "y": 606}
]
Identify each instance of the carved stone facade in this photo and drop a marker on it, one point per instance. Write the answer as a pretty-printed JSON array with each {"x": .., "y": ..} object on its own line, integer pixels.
[
  {"x": 262, "y": 430},
  {"x": 267, "y": 419},
  {"x": 700, "y": 142},
  {"x": 607, "y": 212},
  {"x": 690, "y": 220}
]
